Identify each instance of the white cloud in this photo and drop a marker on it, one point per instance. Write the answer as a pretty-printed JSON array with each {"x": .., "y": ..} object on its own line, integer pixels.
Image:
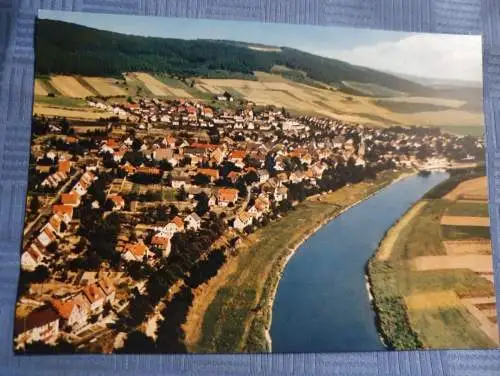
[{"x": 426, "y": 55}]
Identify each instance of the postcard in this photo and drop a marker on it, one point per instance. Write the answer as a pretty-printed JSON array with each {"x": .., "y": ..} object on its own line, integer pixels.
[{"x": 209, "y": 186}]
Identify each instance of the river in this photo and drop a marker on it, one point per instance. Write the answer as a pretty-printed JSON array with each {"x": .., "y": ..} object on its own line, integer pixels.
[{"x": 322, "y": 303}]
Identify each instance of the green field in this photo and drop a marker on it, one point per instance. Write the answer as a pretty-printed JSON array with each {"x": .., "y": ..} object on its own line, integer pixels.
[
  {"x": 469, "y": 209},
  {"x": 237, "y": 317},
  {"x": 465, "y": 232},
  {"x": 394, "y": 279},
  {"x": 464, "y": 130},
  {"x": 59, "y": 101}
]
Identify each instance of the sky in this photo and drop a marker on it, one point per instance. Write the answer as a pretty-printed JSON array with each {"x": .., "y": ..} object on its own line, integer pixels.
[{"x": 437, "y": 56}]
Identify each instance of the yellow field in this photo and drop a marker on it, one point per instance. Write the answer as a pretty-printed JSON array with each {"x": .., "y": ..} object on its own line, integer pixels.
[
  {"x": 158, "y": 88},
  {"x": 432, "y": 300},
  {"x": 476, "y": 263},
  {"x": 69, "y": 113},
  {"x": 39, "y": 88},
  {"x": 477, "y": 187},
  {"x": 105, "y": 86},
  {"x": 278, "y": 91},
  {"x": 68, "y": 86},
  {"x": 455, "y": 220}
]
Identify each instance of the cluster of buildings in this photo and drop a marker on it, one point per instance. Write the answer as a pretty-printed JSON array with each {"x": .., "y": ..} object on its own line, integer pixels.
[
  {"x": 245, "y": 164},
  {"x": 37, "y": 251}
]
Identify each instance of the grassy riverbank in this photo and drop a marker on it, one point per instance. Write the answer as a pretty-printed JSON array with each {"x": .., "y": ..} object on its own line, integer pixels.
[
  {"x": 239, "y": 314},
  {"x": 421, "y": 302}
]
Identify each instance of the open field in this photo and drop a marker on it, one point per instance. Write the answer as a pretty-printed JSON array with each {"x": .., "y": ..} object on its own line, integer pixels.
[
  {"x": 159, "y": 88},
  {"x": 105, "y": 86},
  {"x": 274, "y": 89},
  {"x": 477, "y": 188},
  {"x": 70, "y": 87},
  {"x": 460, "y": 247},
  {"x": 431, "y": 271},
  {"x": 476, "y": 263},
  {"x": 68, "y": 113},
  {"x": 447, "y": 220},
  {"x": 40, "y": 89},
  {"x": 238, "y": 314},
  {"x": 464, "y": 208}
]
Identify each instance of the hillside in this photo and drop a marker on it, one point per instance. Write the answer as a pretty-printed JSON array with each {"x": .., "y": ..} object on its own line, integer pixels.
[{"x": 93, "y": 52}]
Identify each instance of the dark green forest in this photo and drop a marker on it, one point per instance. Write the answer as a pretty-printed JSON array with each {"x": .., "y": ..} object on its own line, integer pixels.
[{"x": 65, "y": 48}]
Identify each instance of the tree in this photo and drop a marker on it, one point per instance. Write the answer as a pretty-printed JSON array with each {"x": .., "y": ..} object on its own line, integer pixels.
[
  {"x": 138, "y": 343},
  {"x": 202, "y": 205},
  {"x": 201, "y": 179},
  {"x": 182, "y": 195},
  {"x": 34, "y": 204}
]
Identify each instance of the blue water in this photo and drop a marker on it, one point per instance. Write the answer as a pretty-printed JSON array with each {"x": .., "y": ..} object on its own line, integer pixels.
[{"x": 322, "y": 304}]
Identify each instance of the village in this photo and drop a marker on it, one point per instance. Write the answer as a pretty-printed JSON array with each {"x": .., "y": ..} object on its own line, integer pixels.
[{"x": 157, "y": 196}]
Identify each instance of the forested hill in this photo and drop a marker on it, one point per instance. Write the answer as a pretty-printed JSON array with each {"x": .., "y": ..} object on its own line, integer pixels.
[{"x": 74, "y": 49}]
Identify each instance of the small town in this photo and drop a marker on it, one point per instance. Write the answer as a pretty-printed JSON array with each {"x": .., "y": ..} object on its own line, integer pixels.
[{"x": 126, "y": 215}]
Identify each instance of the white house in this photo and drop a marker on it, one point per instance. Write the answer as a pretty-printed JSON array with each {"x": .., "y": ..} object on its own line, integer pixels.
[
  {"x": 193, "y": 222},
  {"x": 242, "y": 220}
]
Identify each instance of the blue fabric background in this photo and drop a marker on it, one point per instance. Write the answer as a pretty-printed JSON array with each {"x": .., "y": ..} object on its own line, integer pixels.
[{"x": 16, "y": 75}]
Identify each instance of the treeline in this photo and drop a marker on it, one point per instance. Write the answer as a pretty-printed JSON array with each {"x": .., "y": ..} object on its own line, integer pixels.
[{"x": 95, "y": 52}]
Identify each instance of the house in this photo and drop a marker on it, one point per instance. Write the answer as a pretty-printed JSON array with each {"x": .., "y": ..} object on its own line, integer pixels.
[
  {"x": 208, "y": 112},
  {"x": 118, "y": 202},
  {"x": 73, "y": 312},
  {"x": 42, "y": 324},
  {"x": 95, "y": 296},
  {"x": 226, "y": 196},
  {"x": 128, "y": 168},
  {"x": 71, "y": 199},
  {"x": 65, "y": 212},
  {"x": 179, "y": 223},
  {"x": 46, "y": 236},
  {"x": 54, "y": 179},
  {"x": 212, "y": 201},
  {"x": 64, "y": 167},
  {"x": 43, "y": 169},
  {"x": 163, "y": 242},
  {"x": 193, "y": 222},
  {"x": 181, "y": 181},
  {"x": 135, "y": 251},
  {"x": 148, "y": 171},
  {"x": 163, "y": 154},
  {"x": 108, "y": 289},
  {"x": 255, "y": 212},
  {"x": 263, "y": 175},
  {"x": 31, "y": 258},
  {"x": 211, "y": 173},
  {"x": 280, "y": 194},
  {"x": 242, "y": 220},
  {"x": 233, "y": 176},
  {"x": 237, "y": 157}
]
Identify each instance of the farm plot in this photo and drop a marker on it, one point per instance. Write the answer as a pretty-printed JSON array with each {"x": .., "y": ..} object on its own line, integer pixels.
[
  {"x": 476, "y": 263},
  {"x": 477, "y": 188},
  {"x": 461, "y": 247},
  {"x": 105, "y": 86},
  {"x": 70, "y": 87},
  {"x": 448, "y": 220},
  {"x": 159, "y": 88},
  {"x": 40, "y": 88}
]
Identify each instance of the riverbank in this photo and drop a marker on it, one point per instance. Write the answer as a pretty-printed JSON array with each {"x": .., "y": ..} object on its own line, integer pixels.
[
  {"x": 425, "y": 308},
  {"x": 239, "y": 316},
  {"x": 270, "y": 301}
]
